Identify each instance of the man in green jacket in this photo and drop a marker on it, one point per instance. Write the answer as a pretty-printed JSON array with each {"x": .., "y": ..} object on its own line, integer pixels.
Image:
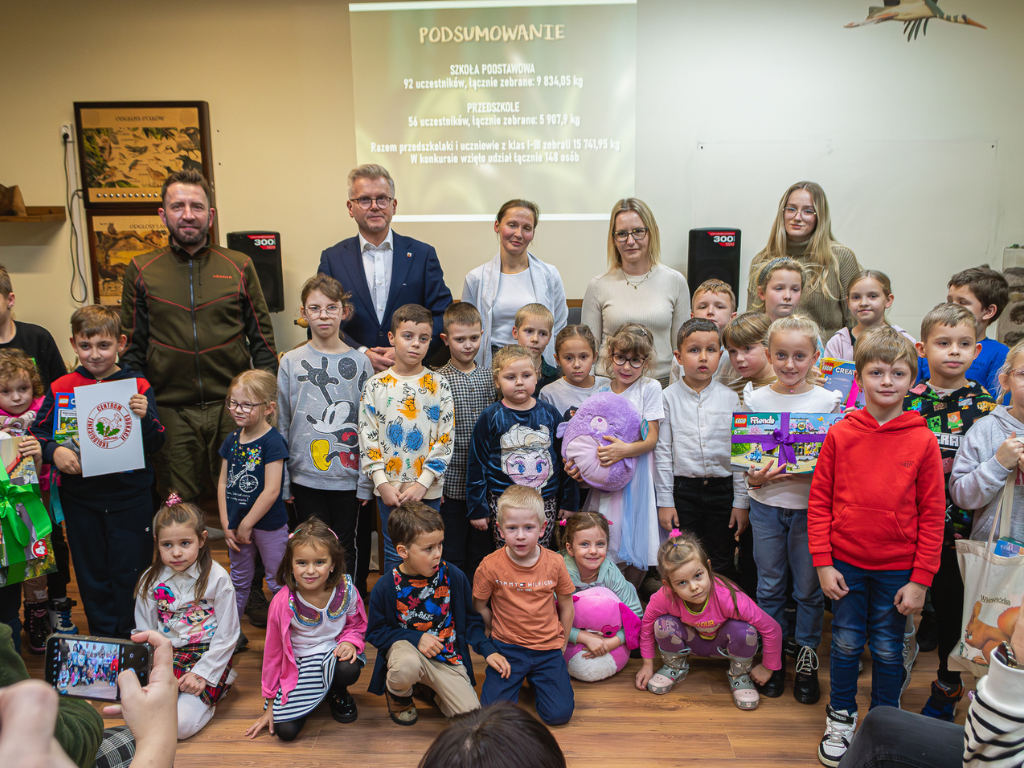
[{"x": 195, "y": 317}]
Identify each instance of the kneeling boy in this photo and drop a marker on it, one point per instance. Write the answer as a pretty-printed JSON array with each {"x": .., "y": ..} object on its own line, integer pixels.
[
  {"x": 421, "y": 621},
  {"x": 521, "y": 581}
]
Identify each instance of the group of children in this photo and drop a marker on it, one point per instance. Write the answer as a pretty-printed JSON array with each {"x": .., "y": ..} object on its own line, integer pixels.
[
  {"x": 468, "y": 462},
  {"x": 84, "y": 665}
]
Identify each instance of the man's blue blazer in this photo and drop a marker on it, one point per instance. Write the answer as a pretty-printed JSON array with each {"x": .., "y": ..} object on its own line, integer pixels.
[{"x": 416, "y": 278}]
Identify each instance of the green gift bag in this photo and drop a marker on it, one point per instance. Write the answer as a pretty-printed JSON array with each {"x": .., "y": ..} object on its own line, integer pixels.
[
  {"x": 24, "y": 522},
  {"x": 41, "y": 564}
]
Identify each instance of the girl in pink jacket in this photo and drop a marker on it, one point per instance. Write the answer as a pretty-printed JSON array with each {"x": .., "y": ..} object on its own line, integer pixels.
[
  {"x": 699, "y": 612},
  {"x": 315, "y": 631}
]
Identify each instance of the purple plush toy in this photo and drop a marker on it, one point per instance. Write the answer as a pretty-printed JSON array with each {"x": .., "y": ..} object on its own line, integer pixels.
[{"x": 602, "y": 414}]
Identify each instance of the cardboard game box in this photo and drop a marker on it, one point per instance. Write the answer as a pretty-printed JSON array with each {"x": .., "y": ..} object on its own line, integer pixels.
[
  {"x": 758, "y": 438},
  {"x": 839, "y": 375}
]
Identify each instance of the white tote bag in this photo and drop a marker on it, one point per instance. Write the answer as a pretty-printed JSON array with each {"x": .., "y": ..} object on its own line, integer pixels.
[{"x": 993, "y": 586}]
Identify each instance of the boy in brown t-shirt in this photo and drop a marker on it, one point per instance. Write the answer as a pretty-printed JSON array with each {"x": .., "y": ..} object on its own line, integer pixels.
[{"x": 521, "y": 580}]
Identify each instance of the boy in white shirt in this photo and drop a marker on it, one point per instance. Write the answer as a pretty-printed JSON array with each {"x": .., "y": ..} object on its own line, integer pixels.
[{"x": 696, "y": 489}]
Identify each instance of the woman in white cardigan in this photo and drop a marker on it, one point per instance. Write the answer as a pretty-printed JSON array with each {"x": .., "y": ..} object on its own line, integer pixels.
[{"x": 512, "y": 279}]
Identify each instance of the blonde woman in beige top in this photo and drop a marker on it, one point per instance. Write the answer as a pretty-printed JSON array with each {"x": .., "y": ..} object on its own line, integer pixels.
[
  {"x": 803, "y": 230},
  {"x": 637, "y": 287}
]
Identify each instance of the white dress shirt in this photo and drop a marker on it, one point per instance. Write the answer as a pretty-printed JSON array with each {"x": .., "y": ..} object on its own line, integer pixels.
[
  {"x": 695, "y": 439},
  {"x": 377, "y": 263}
]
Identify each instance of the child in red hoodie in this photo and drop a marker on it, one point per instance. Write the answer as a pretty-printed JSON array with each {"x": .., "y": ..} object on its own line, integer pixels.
[{"x": 874, "y": 527}]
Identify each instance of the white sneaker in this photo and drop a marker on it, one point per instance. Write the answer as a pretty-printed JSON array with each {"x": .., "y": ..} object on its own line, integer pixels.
[{"x": 839, "y": 729}]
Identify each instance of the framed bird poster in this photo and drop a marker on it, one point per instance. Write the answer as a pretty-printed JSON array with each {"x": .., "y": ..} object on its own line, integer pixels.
[
  {"x": 115, "y": 238},
  {"x": 126, "y": 149}
]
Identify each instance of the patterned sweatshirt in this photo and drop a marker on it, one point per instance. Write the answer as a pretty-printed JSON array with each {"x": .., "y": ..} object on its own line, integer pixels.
[
  {"x": 405, "y": 430},
  {"x": 949, "y": 416}
]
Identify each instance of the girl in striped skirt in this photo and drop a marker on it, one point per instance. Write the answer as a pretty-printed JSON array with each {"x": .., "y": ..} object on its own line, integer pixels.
[
  {"x": 187, "y": 596},
  {"x": 315, "y": 632}
]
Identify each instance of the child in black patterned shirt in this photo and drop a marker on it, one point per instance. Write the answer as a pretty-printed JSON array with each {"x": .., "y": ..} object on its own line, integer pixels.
[{"x": 472, "y": 386}]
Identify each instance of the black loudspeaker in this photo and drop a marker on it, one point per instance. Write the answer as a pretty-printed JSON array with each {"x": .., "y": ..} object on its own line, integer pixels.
[
  {"x": 714, "y": 253},
  {"x": 264, "y": 248}
]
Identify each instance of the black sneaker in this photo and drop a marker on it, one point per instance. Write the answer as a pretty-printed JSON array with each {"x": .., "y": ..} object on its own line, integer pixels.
[
  {"x": 805, "y": 685},
  {"x": 37, "y": 626},
  {"x": 60, "y": 616},
  {"x": 776, "y": 683},
  {"x": 256, "y": 608},
  {"x": 242, "y": 643},
  {"x": 790, "y": 647},
  {"x": 343, "y": 707},
  {"x": 928, "y": 632}
]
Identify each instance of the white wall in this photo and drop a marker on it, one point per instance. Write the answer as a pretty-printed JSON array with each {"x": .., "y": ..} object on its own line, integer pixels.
[{"x": 900, "y": 134}]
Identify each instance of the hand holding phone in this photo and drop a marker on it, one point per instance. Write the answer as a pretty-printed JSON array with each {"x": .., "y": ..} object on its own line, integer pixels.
[
  {"x": 151, "y": 712},
  {"x": 87, "y": 667}
]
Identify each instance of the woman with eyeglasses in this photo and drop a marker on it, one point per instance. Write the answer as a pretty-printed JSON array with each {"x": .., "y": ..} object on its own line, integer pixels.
[
  {"x": 513, "y": 279},
  {"x": 637, "y": 287},
  {"x": 803, "y": 231}
]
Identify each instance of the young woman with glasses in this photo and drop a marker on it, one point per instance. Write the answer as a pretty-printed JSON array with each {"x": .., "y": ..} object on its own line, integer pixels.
[{"x": 803, "y": 231}]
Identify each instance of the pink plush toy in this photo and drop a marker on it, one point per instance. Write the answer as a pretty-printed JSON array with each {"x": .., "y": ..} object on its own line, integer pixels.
[
  {"x": 599, "y": 610},
  {"x": 602, "y": 414}
]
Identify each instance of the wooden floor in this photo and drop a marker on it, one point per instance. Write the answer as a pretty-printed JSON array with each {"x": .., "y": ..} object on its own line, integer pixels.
[{"x": 614, "y": 724}]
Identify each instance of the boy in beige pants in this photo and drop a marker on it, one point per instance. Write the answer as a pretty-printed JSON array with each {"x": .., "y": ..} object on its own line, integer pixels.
[{"x": 422, "y": 622}]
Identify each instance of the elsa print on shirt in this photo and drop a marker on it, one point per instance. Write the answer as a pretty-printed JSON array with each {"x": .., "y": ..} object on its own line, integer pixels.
[{"x": 526, "y": 455}]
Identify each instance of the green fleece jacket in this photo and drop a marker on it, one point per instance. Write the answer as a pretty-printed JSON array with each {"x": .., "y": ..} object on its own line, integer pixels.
[
  {"x": 194, "y": 322},
  {"x": 79, "y": 728}
]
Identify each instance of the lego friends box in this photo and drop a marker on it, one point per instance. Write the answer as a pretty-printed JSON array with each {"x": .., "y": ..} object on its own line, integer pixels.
[{"x": 791, "y": 438}]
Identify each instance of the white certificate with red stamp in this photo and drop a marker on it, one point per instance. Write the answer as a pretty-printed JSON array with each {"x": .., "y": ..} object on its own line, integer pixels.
[{"x": 109, "y": 434}]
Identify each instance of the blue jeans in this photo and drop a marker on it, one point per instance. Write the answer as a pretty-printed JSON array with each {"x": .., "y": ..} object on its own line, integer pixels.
[
  {"x": 780, "y": 547},
  {"x": 867, "y": 614},
  {"x": 391, "y": 558},
  {"x": 548, "y": 676}
]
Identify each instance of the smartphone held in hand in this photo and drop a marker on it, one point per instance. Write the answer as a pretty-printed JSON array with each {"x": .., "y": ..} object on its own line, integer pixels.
[{"x": 87, "y": 667}]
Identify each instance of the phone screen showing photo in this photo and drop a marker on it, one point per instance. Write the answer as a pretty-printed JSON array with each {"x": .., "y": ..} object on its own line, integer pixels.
[{"x": 88, "y": 668}]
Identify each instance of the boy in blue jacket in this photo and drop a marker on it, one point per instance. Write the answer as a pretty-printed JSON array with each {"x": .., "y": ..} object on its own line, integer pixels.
[
  {"x": 421, "y": 621},
  {"x": 107, "y": 516}
]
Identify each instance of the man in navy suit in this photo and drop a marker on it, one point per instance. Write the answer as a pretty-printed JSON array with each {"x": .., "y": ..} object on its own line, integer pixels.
[{"x": 383, "y": 269}]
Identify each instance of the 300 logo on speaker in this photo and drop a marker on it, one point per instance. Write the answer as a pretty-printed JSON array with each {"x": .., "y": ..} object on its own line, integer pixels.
[
  {"x": 264, "y": 241},
  {"x": 723, "y": 238}
]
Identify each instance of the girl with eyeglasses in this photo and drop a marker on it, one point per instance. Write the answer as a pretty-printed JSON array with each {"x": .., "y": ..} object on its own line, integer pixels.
[
  {"x": 318, "y": 388},
  {"x": 252, "y": 511},
  {"x": 632, "y": 512},
  {"x": 803, "y": 231},
  {"x": 637, "y": 287},
  {"x": 991, "y": 452}
]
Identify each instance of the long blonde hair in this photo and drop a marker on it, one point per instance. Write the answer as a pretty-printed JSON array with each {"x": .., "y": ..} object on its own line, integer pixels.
[
  {"x": 641, "y": 209},
  {"x": 821, "y": 261}
]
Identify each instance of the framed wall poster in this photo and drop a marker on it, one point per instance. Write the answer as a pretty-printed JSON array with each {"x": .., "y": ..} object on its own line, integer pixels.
[
  {"x": 115, "y": 238},
  {"x": 126, "y": 149}
]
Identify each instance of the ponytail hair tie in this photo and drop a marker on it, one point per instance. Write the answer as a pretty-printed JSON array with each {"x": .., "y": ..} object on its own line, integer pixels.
[
  {"x": 172, "y": 500},
  {"x": 675, "y": 532},
  {"x": 562, "y": 523}
]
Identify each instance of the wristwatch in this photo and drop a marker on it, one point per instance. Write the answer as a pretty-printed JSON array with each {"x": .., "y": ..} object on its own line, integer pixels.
[{"x": 1011, "y": 659}]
